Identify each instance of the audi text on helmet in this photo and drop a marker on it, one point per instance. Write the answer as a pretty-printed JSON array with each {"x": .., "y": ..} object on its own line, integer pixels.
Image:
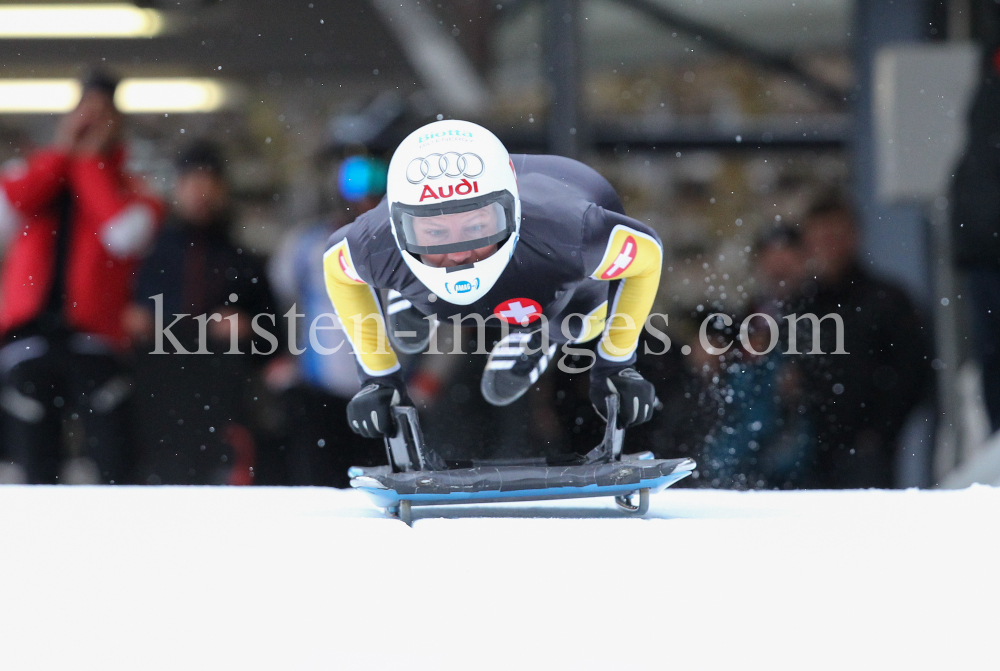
[{"x": 463, "y": 188}]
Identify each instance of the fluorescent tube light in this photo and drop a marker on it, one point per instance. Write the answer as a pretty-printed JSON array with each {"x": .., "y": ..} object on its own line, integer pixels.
[
  {"x": 171, "y": 95},
  {"x": 78, "y": 21},
  {"x": 180, "y": 95},
  {"x": 23, "y": 96}
]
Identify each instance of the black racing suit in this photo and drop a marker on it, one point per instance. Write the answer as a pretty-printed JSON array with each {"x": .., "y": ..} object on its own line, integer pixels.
[{"x": 577, "y": 254}]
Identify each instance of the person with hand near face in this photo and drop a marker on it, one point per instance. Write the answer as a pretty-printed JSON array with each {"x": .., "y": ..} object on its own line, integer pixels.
[{"x": 79, "y": 225}]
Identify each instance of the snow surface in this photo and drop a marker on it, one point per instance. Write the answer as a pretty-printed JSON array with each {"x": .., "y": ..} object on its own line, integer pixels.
[{"x": 260, "y": 578}]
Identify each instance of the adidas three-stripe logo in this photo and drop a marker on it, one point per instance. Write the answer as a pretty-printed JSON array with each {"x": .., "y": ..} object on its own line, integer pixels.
[
  {"x": 396, "y": 302},
  {"x": 509, "y": 351}
]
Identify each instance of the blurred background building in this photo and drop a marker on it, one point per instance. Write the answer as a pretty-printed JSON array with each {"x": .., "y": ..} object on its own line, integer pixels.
[{"x": 716, "y": 120}]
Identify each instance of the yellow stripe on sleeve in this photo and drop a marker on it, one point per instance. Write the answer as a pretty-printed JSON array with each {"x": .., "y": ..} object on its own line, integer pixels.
[
  {"x": 636, "y": 258},
  {"x": 358, "y": 308}
]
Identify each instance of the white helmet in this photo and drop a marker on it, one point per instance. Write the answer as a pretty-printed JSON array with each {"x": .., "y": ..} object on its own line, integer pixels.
[{"x": 454, "y": 207}]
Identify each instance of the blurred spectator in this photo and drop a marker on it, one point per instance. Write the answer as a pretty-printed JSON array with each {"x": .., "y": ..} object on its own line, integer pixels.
[
  {"x": 80, "y": 225},
  {"x": 726, "y": 455},
  {"x": 771, "y": 388},
  {"x": 780, "y": 271},
  {"x": 976, "y": 229},
  {"x": 317, "y": 445},
  {"x": 858, "y": 401},
  {"x": 197, "y": 405}
]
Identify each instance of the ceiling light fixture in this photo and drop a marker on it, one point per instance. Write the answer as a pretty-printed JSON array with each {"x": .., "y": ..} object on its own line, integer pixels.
[
  {"x": 109, "y": 20},
  {"x": 25, "y": 96},
  {"x": 134, "y": 95},
  {"x": 171, "y": 95}
]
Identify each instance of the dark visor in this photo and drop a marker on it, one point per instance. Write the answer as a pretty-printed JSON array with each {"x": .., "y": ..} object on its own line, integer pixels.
[{"x": 456, "y": 226}]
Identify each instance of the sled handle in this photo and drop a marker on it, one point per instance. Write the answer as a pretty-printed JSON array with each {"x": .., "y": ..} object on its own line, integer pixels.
[
  {"x": 406, "y": 448},
  {"x": 613, "y": 436}
]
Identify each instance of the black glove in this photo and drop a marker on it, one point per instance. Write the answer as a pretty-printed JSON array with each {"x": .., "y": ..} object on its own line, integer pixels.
[
  {"x": 636, "y": 396},
  {"x": 369, "y": 413}
]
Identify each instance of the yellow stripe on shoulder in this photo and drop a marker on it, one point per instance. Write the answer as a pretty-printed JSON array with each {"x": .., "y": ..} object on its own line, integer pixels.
[
  {"x": 357, "y": 306},
  {"x": 339, "y": 266},
  {"x": 629, "y": 253}
]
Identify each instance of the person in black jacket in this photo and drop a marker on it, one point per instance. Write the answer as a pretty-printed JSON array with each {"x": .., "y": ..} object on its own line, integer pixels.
[
  {"x": 976, "y": 229},
  {"x": 197, "y": 393},
  {"x": 858, "y": 401}
]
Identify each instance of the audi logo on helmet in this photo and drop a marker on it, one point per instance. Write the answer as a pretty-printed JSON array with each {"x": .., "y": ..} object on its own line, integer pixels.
[{"x": 450, "y": 164}]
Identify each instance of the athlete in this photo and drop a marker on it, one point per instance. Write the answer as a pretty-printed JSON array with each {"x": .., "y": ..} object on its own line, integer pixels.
[{"x": 536, "y": 244}]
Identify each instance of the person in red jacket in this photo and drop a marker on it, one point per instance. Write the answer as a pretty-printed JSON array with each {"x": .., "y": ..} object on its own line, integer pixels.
[{"x": 78, "y": 225}]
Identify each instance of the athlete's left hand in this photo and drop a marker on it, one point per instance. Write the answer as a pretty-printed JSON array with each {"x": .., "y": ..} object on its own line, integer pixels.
[{"x": 636, "y": 395}]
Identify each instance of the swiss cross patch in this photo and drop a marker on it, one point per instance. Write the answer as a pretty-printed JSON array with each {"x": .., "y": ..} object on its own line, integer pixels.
[
  {"x": 518, "y": 311},
  {"x": 346, "y": 267},
  {"x": 624, "y": 259}
]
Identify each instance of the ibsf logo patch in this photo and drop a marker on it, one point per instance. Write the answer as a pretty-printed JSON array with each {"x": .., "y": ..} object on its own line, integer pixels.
[
  {"x": 519, "y": 311},
  {"x": 624, "y": 259}
]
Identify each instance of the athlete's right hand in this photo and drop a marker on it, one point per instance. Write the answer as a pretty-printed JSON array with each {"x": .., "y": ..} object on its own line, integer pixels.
[{"x": 369, "y": 413}]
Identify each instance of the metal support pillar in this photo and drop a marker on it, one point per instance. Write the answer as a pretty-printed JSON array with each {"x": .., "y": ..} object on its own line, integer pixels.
[
  {"x": 562, "y": 39},
  {"x": 951, "y": 444},
  {"x": 894, "y": 240}
]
